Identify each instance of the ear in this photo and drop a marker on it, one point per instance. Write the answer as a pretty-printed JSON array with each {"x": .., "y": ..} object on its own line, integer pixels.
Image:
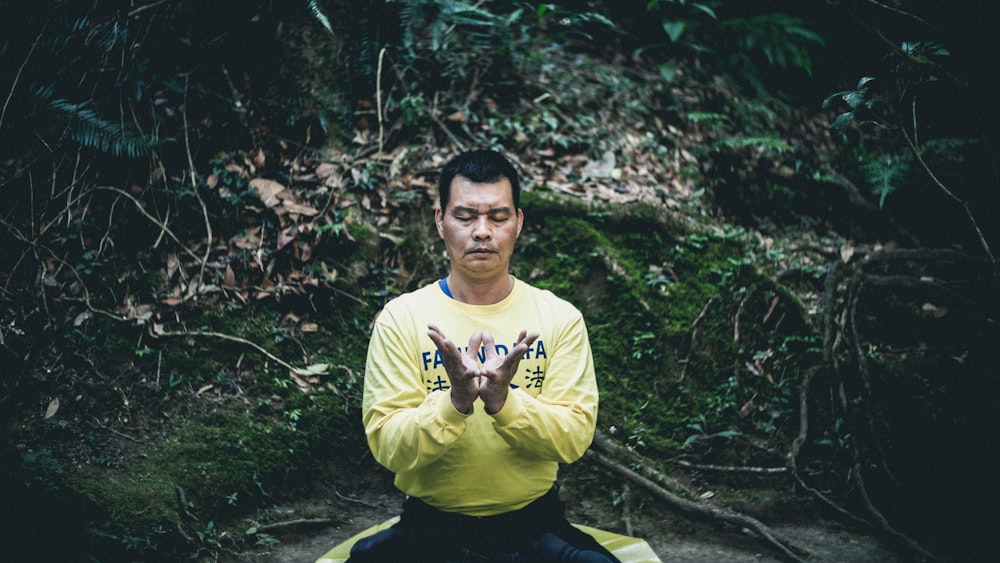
[
  {"x": 439, "y": 222},
  {"x": 520, "y": 221}
]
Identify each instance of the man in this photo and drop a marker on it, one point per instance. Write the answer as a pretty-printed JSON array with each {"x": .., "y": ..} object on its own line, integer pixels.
[{"x": 475, "y": 433}]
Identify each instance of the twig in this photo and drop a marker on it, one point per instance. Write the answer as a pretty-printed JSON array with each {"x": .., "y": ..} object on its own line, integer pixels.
[
  {"x": 156, "y": 221},
  {"x": 83, "y": 286},
  {"x": 232, "y": 89},
  {"x": 279, "y": 526},
  {"x": 627, "y": 510},
  {"x": 146, "y": 7},
  {"x": 900, "y": 12},
  {"x": 17, "y": 76},
  {"x": 183, "y": 504},
  {"x": 113, "y": 431},
  {"x": 378, "y": 101},
  {"x": 229, "y": 337},
  {"x": 694, "y": 335},
  {"x": 736, "y": 317},
  {"x": 915, "y": 149},
  {"x": 454, "y": 139},
  {"x": 193, "y": 175},
  {"x": 354, "y": 500}
]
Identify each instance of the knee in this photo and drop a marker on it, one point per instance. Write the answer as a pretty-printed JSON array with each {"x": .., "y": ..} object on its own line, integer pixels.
[
  {"x": 378, "y": 547},
  {"x": 550, "y": 548}
]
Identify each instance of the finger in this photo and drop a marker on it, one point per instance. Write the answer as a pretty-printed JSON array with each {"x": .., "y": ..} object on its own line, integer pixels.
[
  {"x": 475, "y": 341},
  {"x": 527, "y": 339},
  {"x": 439, "y": 339},
  {"x": 524, "y": 340},
  {"x": 490, "y": 345}
]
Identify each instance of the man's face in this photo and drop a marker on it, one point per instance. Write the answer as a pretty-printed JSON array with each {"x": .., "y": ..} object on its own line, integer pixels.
[{"x": 479, "y": 228}]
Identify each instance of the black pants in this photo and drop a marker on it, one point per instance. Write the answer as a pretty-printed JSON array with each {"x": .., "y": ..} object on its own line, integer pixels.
[{"x": 537, "y": 533}]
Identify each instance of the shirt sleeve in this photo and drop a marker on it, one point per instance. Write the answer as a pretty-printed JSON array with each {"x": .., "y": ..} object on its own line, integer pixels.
[
  {"x": 407, "y": 426},
  {"x": 558, "y": 424}
]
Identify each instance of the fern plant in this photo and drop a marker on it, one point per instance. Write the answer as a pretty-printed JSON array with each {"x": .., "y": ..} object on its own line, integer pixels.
[
  {"x": 435, "y": 27},
  {"x": 783, "y": 40},
  {"x": 88, "y": 128},
  {"x": 884, "y": 173}
]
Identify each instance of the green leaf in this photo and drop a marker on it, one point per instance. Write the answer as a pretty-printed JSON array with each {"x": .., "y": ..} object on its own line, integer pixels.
[
  {"x": 705, "y": 9},
  {"x": 842, "y": 121},
  {"x": 674, "y": 29},
  {"x": 864, "y": 81},
  {"x": 668, "y": 71},
  {"x": 854, "y": 99}
]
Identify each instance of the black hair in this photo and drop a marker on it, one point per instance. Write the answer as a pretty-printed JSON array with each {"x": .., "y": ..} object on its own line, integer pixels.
[{"x": 480, "y": 166}]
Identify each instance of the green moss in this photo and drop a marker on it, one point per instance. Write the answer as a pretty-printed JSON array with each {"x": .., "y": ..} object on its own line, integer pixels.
[
  {"x": 644, "y": 283},
  {"x": 147, "y": 499}
]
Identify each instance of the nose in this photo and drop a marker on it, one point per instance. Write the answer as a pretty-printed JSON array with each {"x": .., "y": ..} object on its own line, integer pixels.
[{"x": 481, "y": 229}]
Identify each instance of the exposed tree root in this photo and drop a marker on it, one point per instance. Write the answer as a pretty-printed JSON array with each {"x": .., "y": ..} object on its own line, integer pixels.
[
  {"x": 789, "y": 550},
  {"x": 848, "y": 362}
]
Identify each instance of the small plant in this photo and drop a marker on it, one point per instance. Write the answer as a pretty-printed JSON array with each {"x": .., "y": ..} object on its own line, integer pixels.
[
  {"x": 701, "y": 433},
  {"x": 267, "y": 540},
  {"x": 40, "y": 469},
  {"x": 293, "y": 417},
  {"x": 884, "y": 173},
  {"x": 90, "y": 129}
]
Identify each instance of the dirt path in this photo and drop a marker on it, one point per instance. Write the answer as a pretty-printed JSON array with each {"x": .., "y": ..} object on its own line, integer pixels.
[{"x": 366, "y": 497}]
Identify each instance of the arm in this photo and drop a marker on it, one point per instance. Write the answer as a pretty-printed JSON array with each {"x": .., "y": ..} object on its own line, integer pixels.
[
  {"x": 558, "y": 424},
  {"x": 407, "y": 426}
]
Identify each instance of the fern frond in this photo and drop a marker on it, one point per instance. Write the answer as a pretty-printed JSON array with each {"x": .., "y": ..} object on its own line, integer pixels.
[
  {"x": 319, "y": 15},
  {"x": 762, "y": 142},
  {"x": 884, "y": 173},
  {"x": 89, "y": 129}
]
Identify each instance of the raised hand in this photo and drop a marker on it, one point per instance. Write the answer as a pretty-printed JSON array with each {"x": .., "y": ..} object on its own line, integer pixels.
[
  {"x": 463, "y": 369},
  {"x": 469, "y": 379},
  {"x": 498, "y": 371}
]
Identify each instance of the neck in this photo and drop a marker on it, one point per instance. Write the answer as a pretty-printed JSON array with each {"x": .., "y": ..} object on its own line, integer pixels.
[{"x": 480, "y": 292}]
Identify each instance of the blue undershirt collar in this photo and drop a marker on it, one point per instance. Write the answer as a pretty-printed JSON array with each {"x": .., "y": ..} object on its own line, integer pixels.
[{"x": 443, "y": 284}]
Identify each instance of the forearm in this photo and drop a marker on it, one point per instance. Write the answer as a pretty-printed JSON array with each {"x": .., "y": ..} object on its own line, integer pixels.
[
  {"x": 408, "y": 438},
  {"x": 550, "y": 430}
]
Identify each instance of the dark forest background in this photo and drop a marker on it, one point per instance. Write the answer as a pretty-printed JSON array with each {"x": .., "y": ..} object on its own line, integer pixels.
[{"x": 779, "y": 218}]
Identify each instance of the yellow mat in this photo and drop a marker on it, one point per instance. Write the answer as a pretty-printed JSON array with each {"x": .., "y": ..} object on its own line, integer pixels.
[{"x": 626, "y": 548}]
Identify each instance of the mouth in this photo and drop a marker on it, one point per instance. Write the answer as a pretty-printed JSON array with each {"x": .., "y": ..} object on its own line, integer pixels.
[{"x": 480, "y": 252}]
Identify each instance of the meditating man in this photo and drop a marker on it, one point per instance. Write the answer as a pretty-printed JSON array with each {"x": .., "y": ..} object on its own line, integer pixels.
[{"x": 476, "y": 388}]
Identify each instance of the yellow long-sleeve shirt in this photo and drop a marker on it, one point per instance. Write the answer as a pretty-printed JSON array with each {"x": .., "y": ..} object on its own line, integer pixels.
[{"x": 479, "y": 464}]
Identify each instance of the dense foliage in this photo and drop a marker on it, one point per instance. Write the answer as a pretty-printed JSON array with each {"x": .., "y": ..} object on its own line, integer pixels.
[{"x": 778, "y": 218}]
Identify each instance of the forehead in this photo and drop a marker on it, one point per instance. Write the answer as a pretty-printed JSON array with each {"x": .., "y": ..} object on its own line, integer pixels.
[{"x": 480, "y": 195}]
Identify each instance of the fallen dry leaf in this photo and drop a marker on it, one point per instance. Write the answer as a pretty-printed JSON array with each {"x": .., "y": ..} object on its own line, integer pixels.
[
  {"x": 266, "y": 189},
  {"x": 293, "y": 207},
  {"x": 286, "y": 236},
  {"x": 229, "y": 281},
  {"x": 314, "y": 369},
  {"x": 82, "y": 318},
  {"x": 324, "y": 170},
  {"x": 52, "y": 409},
  {"x": 847, "y": 252}
]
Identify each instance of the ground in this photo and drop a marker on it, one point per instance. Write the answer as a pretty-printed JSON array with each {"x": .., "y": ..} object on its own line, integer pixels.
[{"x": 365, "y": 497}]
